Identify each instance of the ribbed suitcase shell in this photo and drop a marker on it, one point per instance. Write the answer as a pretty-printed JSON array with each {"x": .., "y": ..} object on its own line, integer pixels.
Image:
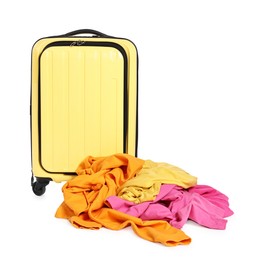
[{"x": 83, "y": 101}]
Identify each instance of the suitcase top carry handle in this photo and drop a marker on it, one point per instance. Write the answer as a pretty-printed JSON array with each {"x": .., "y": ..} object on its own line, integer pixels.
[{"x": 87, "y": 31}]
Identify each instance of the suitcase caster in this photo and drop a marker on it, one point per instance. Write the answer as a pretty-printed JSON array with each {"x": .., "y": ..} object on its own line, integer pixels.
[{"x": 39, "y": 186}]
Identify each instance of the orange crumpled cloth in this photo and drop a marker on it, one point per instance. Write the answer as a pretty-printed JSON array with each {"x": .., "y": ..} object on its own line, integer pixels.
[{"x": 98, "y": 178}]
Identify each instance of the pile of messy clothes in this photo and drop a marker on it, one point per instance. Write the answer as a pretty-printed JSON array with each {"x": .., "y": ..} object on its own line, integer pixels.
[{"x": 156, "y": 199}]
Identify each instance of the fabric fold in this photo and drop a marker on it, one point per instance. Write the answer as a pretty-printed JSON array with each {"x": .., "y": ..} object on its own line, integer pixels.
[
  {"x": 147, "y": 183},
  {"x": 201, "y": 203},
  {"x": 99, "y": 178}
]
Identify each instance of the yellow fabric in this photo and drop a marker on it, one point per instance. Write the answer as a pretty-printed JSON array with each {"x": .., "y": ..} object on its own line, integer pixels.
[
  {"x": 147, "y": 182},
  {"x": 98, "y": 178}
]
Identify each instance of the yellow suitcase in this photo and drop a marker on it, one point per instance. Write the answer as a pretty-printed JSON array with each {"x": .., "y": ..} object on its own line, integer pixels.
[{"x": 83, "y": 102}]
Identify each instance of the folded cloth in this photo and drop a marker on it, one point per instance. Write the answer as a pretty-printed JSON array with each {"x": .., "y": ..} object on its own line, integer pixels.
[
  {"x": 201, "y": 203},
  {"x": 99, "y": 178},
  {"x": 147, "y": 182}
]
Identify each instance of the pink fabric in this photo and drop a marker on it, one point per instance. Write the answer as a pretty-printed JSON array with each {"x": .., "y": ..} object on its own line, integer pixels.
[{"x": 201, "y": 203}]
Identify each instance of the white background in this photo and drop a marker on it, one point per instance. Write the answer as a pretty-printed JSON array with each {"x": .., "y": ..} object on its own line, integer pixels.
[{"x": 199, "y": 109}]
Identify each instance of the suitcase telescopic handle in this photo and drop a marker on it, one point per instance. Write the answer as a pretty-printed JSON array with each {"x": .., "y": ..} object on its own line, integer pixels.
[{"x": 86, "y": 31}]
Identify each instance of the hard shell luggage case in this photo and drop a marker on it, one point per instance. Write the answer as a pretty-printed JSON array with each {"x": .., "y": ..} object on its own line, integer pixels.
[{"x": 83, "y": 102}]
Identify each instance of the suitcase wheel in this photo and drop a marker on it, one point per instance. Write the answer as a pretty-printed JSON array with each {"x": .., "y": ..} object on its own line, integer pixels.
[
  {"x": 39, "y": 186},
  {"x": 38, "y": 189}
]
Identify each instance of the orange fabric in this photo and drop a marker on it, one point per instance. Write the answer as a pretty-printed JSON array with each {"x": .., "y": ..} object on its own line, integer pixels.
[{"x": 98, "y": 178}]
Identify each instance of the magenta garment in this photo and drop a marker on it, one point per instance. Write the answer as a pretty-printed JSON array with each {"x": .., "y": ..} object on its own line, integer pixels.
[{"x": 201, "y": 203}]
